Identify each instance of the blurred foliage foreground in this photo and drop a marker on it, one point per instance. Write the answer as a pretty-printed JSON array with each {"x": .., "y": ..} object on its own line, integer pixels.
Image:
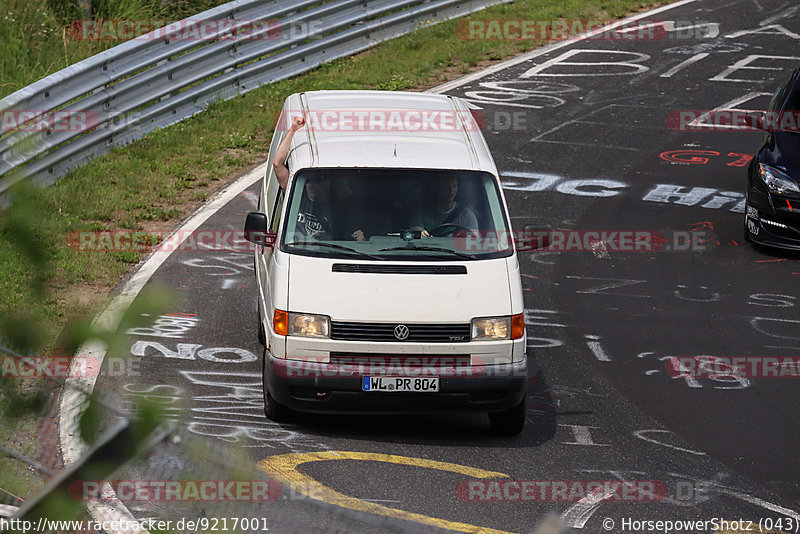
[{"x": 33, "y": 373}]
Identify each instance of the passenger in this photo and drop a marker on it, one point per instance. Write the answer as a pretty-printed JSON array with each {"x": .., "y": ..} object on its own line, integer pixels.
[
  {"x": 315, "y": 216},
  {"x": 279, "y": 161}
]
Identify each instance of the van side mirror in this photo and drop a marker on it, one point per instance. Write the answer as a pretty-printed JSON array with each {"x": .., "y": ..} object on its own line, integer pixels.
[
  {"x": 533, "y": 237},
  {"x": 255, "y": 229}
]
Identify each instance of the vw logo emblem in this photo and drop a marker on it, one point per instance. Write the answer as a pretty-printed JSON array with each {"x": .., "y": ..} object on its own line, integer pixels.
[{"x": 401, "y": 332}]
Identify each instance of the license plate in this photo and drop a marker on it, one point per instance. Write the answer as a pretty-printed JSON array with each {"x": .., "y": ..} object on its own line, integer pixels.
[{"x": 399, "y": 383}]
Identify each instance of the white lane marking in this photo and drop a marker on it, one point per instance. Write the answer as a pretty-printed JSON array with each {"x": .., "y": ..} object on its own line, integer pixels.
[
  {"x": 596, "y": 348},
  {"x": 777, "y": 29},
  {"x": 670, "y": 26},
  {"x": 579, "y": 513},
  {"x": 73, "y": 395},
  {"x": 702, "y": 120},
  {"x": 713, "y": 485},
  {"x": 745, "y": 64},
  {"x": 641, "y": 435},
  {"x": 755, "y": 323},
  {"x": 449, "y": 86},
  {"x": 592, "y": 145},
  {"x": 228, "y": 283},
  {"x": 632, "y": 67},
  {"x": 511, "y": 92},
  {"x": 582, "y": 436},
  {"x": 762, "y": 503},
  {"x": 539, "y": 318},
  {"x": 683, "y": 64},
  {"x": 784, "y": 14}
]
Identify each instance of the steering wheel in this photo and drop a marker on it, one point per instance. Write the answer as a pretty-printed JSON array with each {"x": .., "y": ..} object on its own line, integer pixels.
[{"x": 447, "y": 229}]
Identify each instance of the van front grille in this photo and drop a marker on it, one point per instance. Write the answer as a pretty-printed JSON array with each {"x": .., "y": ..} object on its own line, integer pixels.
[{"x": 417, "y": 333}]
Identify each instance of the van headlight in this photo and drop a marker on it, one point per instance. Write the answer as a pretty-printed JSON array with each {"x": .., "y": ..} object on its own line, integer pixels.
[
  {"x": 309, "y": 325},
  {"x": 497, "y": 328},
  {"x": 777, "y": 181}
]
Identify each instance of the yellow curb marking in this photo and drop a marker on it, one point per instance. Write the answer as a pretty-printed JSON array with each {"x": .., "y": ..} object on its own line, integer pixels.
[{"x": 283, "y": 468}]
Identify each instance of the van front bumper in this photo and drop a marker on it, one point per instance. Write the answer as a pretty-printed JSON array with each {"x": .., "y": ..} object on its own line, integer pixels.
[{"x": 331, "y": 388}]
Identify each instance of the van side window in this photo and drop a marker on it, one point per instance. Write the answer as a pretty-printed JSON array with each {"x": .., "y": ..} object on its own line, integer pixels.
[
  {"x": 276, "y": 213},
  {"x": 271, "y": 180}
]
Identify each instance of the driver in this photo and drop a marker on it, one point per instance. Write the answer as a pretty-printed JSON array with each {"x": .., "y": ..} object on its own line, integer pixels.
[{"x": 442, "y": 209}]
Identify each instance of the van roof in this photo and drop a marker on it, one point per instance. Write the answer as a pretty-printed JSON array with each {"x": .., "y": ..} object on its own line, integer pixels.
[{"x": 385, "y": 129}]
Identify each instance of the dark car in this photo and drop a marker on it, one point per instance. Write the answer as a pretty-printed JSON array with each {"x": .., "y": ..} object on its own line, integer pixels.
[{"x": 772, "y": 211}]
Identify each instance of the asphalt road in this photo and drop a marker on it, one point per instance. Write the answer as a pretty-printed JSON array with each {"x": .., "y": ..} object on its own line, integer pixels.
[{"x": 581, "y": 146}]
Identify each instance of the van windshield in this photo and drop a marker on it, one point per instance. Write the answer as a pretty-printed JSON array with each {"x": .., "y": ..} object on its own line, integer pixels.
[{"x": 396, "y": 214}]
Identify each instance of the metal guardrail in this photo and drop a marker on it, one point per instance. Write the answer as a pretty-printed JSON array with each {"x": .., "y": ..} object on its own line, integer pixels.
[{"x": 148, "y": 83}]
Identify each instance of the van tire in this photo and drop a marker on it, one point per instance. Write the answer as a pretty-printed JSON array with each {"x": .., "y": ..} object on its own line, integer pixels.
[
  {"x": 509, "y": 422},
  {"x": 274, "y": 410}
]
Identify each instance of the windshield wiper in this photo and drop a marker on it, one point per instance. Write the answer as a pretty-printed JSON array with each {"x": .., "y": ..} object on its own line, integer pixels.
[
  {"x": 333, "y": 245},
  {"x": 432, "y": 249}
]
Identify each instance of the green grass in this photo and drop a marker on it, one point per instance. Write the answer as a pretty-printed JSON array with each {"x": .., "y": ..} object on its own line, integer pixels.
[
  {"x": 162, "y": 177},
  {"x": 20, "y": 434},
  {"x": 37, "y": 39}
]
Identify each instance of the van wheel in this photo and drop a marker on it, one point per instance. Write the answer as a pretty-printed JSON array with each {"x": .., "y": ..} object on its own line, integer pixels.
[
  {"x": 274, "y": 410},
  {"x": 509, "y": 422}
]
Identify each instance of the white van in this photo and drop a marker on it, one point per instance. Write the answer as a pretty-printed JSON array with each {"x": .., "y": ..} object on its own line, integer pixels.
[{"x": 387, "y": 275}]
